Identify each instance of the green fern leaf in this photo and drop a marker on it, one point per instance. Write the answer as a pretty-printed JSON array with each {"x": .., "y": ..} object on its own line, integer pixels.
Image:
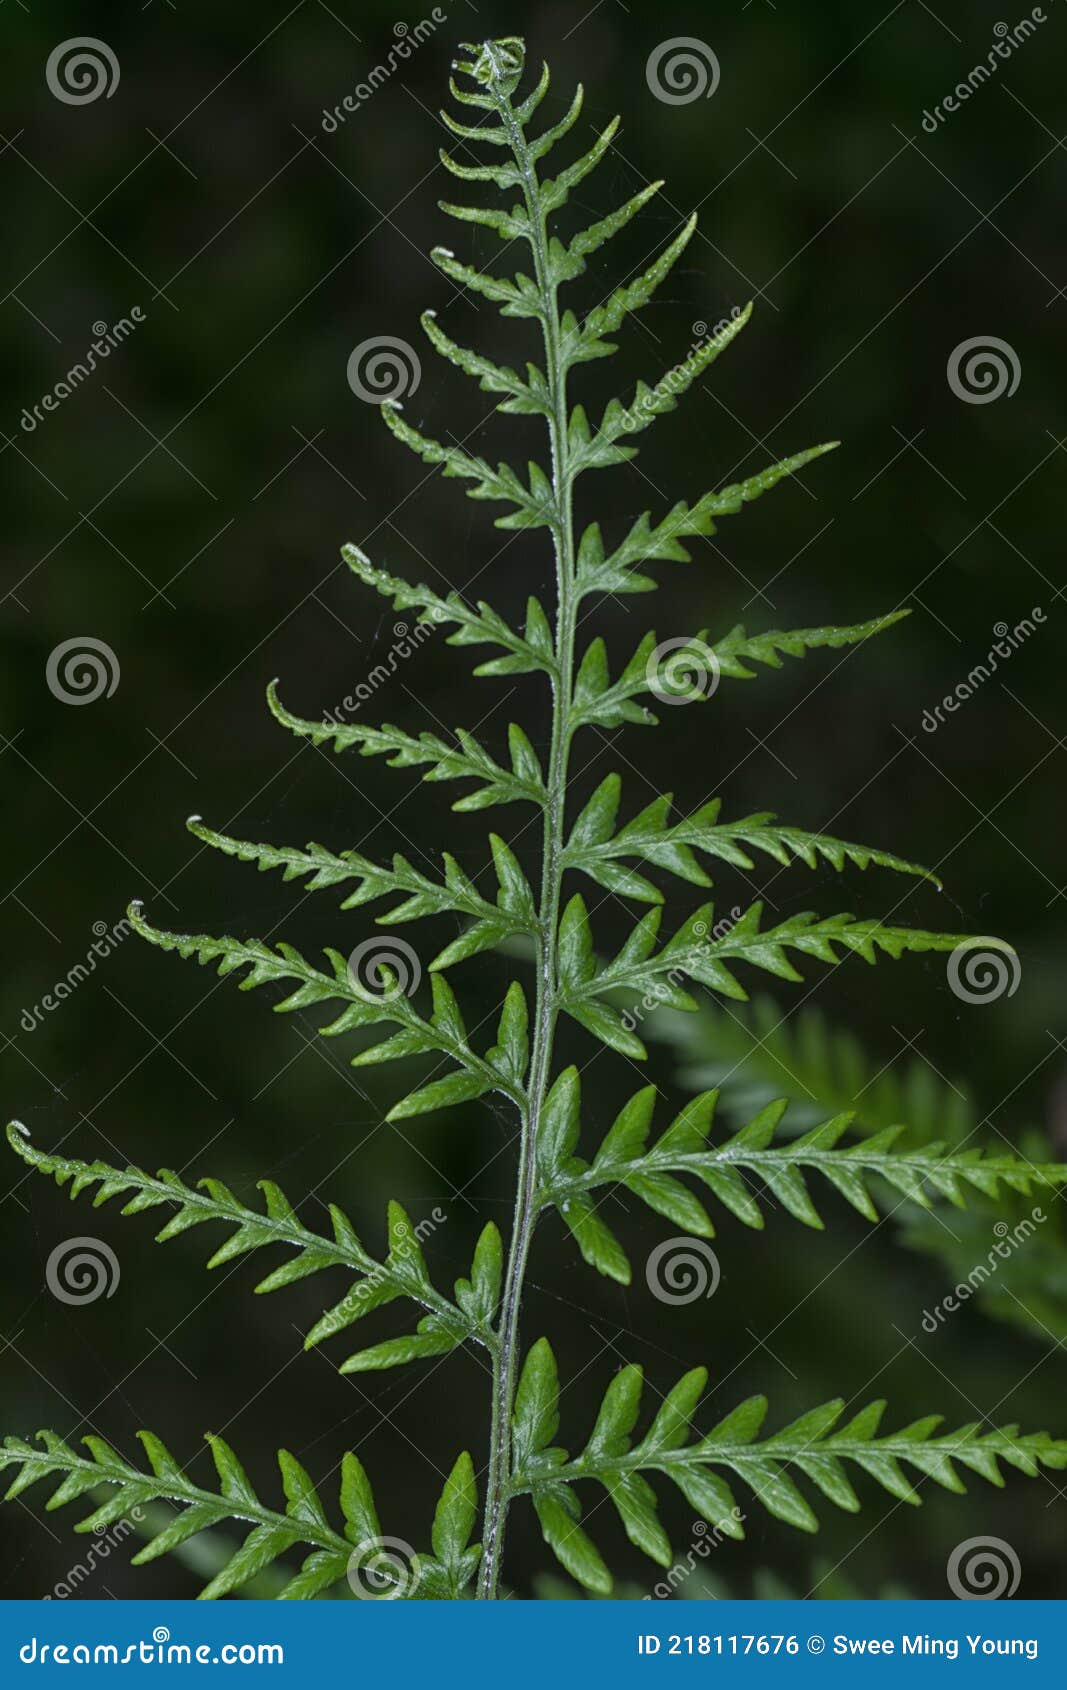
[
  {"x": 815, "y": 1447},
  {"x": 469, "y": 762},
  {"x": 401, "y": 1273},
  {"x": 357, "y": 1553},
  {"x": 760, "y": 1151}
]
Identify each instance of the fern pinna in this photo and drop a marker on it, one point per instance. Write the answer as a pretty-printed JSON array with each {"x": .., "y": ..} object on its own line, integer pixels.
[{"x": 630, "y": 1450}]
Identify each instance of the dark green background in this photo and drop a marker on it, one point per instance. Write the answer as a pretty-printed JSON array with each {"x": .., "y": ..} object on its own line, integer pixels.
[{"x": 186, "y": 506}]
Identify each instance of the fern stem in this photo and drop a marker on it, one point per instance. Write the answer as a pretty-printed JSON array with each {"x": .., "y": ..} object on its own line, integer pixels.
[{"x": 546, "y": 1007}]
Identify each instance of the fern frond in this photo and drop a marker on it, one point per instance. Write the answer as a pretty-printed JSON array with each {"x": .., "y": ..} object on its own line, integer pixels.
[
  {"x": 401, "y": 1273},
  {"x": 757, "y": 1152},
  {"x": 737, "y": 648},
  {"x": 512, "y": 916},
  {"x": 617, "y": 571},
  {"x": 535, "y": 505},
  {"x": 475, "y": 625},
  {"x": 516, "y": 297},
  {"x": 358, "y": 1552},
  {"x": 524, "y": 781},
  {"x": 586, "y": 341},
  {"x": 650, "y": 403},
  {"x": 698, "y": 952},
  {"x": 605, "y": 228},
  {"x": 568, "y": 976},
  {"x": 443, "y": 1034},
  {"x": 816, "y": 1447},
  {"x": 605, "y": 703},
  {"x": 595, "y": 847},
  {"x": 522, "y": 398}
]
